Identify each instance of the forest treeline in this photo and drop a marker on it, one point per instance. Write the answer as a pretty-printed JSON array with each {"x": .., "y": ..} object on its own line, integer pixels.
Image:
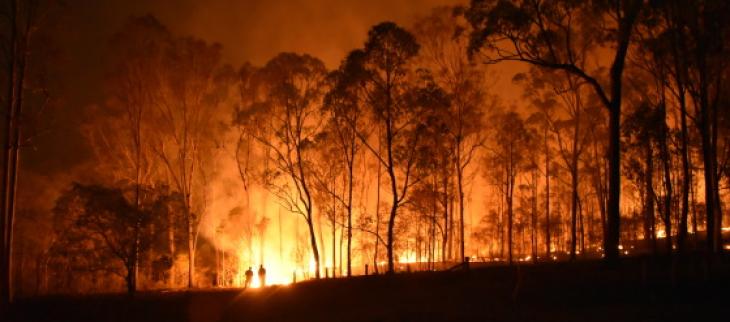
[{"x": 404, "y": 153}]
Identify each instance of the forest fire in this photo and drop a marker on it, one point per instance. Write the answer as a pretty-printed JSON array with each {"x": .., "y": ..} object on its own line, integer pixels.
[{"x": 474, "y": 148}]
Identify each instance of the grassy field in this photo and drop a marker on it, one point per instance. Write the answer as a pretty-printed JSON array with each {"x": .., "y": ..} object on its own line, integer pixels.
[{"x": 638, "y": 289}]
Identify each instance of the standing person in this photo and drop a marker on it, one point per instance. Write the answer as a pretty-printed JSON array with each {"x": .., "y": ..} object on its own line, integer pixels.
[
  {"x": 249, "y": 277},
  {"x": 262, "y": 275}
]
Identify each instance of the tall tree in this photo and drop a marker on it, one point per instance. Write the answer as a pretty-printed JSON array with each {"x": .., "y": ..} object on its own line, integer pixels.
[
  {"x": 346, "y": 119},
  {"x": 675, "y": 57},
  {"x": 444, "y": 41},
  {"x": 382, "y": 67},
  {"x": 641, "y": 131},
  {"x": 287, "y": 119},
  {"x": 563, "y": 92},
  {"x": 545, "y": 104},
  {"x": 133, "y": 87},
  {"x": 705, "y": 23},
  {"x": 23, "y": 20},
  {"x": 551, "y": 34},
  {"x": 508, "y": 159},
  {"x": 183, "y": 115}
]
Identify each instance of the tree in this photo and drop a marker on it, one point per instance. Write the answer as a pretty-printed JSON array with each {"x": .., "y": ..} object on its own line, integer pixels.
[
  {"x": 444, "y": 41},
  {"x": 113, "y": 223},
  {"x": 550, "y": 34},
  {"x": 649, "y": 80},
  {"x": 124, "y": 153},
  {"x": 329, "y": 169},
  {"x": 641, "y": 129},
  {"x": 23, "y": 20},
  {"x": 381, "y": 70},
  {"x": 543, "y": 118},
  {"x": 434, "y": 161},
  {"x": 704, "y": 22},
  {"x": 548, "y": 87},
  {"x": 287, "y": 118},
  {"x": 507, "y": 159},
  {"x": 677, "y": 69},
  {"x": 184, "y": 112},
  {"x": 346, "y": 120}
]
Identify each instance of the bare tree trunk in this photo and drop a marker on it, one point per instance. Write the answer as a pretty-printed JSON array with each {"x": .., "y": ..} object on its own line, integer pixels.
[
  {"x": 582, "y": 228},
  {"x": 573, "y": 206},
  {"x": 445, "y": 252},
  {"x": 718, "y": 247},
  {"x": 510, "y": 190},
  {"x": 313, "y": 243},
  {"x": 460, "y": 191},
  {"x": 534, "y": 215},
  {"x": 693, "y": 197},
  {"x": 171, "y": 247},
  {"x": 334, "y": 226},
  {"x": 547, "y": 195},
  {"x": 377, "y": 220},
  {"x": 500, "y": 225},
  {"x": 394, "y": 191},
  {"x": 684, "y": 140},
  {"x": 339, "y": 265},
  {"x": 12, "y": 181},
  {"x": 708, "y": 159},
  {"x": 574, "y": 169},
  {"x": 625, "y": 27},
  {"x": 349, "y": 210},
  {"x": 191, "y": 248},
  {"x": 130, "y": 278},
  {"x": 10, "y": 116},
  {"x": 649, "y": 226},
  {"x": 686, "y": 173},
  {"x": 664, "y": 150}
]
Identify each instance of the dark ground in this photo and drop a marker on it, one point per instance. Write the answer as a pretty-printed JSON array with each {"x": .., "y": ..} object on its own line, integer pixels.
[{"x": 636, "y": 290}]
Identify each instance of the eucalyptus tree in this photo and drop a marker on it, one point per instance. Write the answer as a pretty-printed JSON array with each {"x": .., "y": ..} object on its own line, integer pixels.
[
  {"x": 120, "y": 141},
  {"x": 551, "y": 35},
  {"x": 286, "y": 119},
  {"x": 665, "y": 56},
  {"x": 21, "y": 22},
  {"x": 649, "y": 87},
  {"x": 641, "y": 134},
  {"x": 704, "y": 33},
  {"x": 346, "y": 119},
  {"x": 382, "y": 82},
  {"x": 565, "y": 96},
  {"x": 542, "y": 119},
  {"x": 507, "y": 158},
  {"x": 188, "y": 103},
  {"x": 444, "y": 40}
]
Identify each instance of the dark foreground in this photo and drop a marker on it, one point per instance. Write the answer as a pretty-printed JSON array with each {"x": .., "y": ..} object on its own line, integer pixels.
[{"x": 636, "y": 290}]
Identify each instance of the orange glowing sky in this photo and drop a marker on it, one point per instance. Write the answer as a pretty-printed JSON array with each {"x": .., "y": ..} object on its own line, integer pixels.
[{"x": 249, "y": 30}]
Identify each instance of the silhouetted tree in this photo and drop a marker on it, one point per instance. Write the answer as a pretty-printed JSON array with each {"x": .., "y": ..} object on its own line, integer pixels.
[
  {"x": 564, "y": 93},
  {"x": 382, "y": 69},
  {"x": 183, "y": 116},
  {"x": 706, "y": 30},
  {"x": 21, "y": 21},
  {"x": 119, "y": 141},
  {"x": 287, "y": 121},
  {"x": 551, "y": 34},
  {"x": 641, "y": 129},
  {"x": 346, "y": 120},
  {"x": 112, "y": 223},
  {"x": 507, "y": 159},
  {"x": 444, "y": 41}
]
